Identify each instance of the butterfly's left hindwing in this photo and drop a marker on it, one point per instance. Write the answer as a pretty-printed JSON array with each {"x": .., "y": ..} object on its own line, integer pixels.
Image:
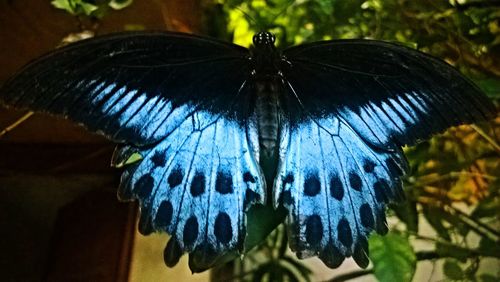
[{"x": 197, "y": 184}]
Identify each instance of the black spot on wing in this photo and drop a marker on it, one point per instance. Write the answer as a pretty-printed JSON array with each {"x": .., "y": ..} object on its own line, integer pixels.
[
  {"x": 198, "y": 184},
  {"x": 368, "y": 166},
  {"x": 344, "y": 233},
  {"x": 164, "y": 214},
  {"x": 175, "y": 177},
  {"x": 224, "y": 183},
  {"x": 190, "y": 232},
  {"x": 286, "y": 197},
  {"x": 360, "y": 254},
  {"x": 336, "y": 188},
  {"x": 331, "y": 256},
  {"x": 355, "y": 181},
  {"x": 366, "y": 215},
  {"x": 159, "y": 159},
  {"x": 381, "y": 223},
  {"x": 144, "y": 186},
  {"x": 222, "y": 228},
  {"x": 172, "y": 252},
  {"x": 312, "y": 185},
  {"x": 288, "y": 179},
  {"x": 380, "y": 188},
  {"x": 393, "y": 167},
  {"x": 314, "y": 230},
  {"x": 248, "y": 177},
  {"x": 250, "y": 197}
]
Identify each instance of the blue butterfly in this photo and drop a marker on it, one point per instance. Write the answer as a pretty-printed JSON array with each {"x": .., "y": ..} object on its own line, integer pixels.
[{"x": 316, "y": 129}]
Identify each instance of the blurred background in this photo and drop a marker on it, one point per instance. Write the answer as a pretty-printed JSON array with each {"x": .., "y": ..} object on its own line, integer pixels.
[{"x": 59, "y": 217}]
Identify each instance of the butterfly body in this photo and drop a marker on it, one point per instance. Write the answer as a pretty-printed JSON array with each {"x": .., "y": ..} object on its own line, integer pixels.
[{"x": 316, "y": 129}]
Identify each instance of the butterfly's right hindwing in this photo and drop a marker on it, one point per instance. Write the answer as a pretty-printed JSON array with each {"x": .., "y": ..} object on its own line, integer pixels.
[{"x": 335, "y": 187}]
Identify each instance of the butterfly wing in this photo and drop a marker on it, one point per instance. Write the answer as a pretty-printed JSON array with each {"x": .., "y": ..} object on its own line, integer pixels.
[
  {"x": 354, "y": 104},
  {"x": 133, "y": 87},
  {"x": 171, "y": 98},
  {"x": 388, "y": 93}
]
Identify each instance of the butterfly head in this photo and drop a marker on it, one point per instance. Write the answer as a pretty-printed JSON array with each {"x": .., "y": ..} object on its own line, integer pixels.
[{"x": 264, "y": 38}]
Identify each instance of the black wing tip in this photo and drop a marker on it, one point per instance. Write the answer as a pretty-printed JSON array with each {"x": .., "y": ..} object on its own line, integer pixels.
[{"x": 172, "y": 253}]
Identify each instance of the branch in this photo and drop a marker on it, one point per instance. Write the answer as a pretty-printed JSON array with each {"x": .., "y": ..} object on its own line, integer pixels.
[
  {"x": 351, "y": 275},
  {"x": 16, "y": 124}
]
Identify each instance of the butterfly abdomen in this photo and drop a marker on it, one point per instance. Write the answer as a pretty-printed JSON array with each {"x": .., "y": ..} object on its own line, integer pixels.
[{"x": 268, "y": 116}]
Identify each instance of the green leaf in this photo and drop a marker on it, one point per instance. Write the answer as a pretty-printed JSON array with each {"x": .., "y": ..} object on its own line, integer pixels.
[
  {"x": 488, "y": 278},
  {"x": 434, "y": 218},
  {"x": 407, "y": 212},
  {"x": 488, "y": 247},
  {"x": 75, "y": 7},
  {"x": 119, "y": 4},
  {"x": 87, "y": 8},
  {"x": 452, "y": 270},
  {"x": 488, "y": 207},
  {"x": 393, "y": 257},
  {"x": 63, "y": 5},
  {"x": 491, "y": 86}
]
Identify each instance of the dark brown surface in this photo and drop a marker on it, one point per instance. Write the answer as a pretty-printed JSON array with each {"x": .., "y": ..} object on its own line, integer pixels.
[{"x": 92, "y": 239}]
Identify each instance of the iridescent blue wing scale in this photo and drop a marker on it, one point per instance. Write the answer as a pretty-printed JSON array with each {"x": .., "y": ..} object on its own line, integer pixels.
[
  {"x": 172, "y": 99},
  {"x": 351, "y": 105}
]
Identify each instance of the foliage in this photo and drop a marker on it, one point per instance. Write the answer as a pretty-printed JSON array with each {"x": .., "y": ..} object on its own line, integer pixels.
[
  {"x": 393, "y": 257},
  {"x": 95, "y": 8}
]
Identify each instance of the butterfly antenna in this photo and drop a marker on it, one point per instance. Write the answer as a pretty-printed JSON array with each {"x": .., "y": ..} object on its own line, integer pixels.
[
  {"x": 250, "y": 18},
  {"x": 288, "y": 5}
]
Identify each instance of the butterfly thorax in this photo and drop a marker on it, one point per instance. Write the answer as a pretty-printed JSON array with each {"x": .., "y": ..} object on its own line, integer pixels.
[{"x": 268, "y": 86}]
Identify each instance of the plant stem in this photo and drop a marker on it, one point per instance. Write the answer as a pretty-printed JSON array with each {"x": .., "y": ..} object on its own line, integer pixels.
[{"x": 16, "y": 123}]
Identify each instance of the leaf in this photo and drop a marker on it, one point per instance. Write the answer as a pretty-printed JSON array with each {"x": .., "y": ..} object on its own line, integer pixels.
[
  {"x": 488, "y": 278},
  {"x": 434, "y": 218},
  {"x": 488, "y": 247},
  {"x": 452, "y": 270},
  {"x": 393, "y": 257},
  {"x": 488, "y": 207},
  {"x": 63, "y": 5},
  {"x": 75, "y": 7},
  {"x": 119, "y": 4},
  {"x": 407, "y": 212},
  {"x": 491, "y": 86}
]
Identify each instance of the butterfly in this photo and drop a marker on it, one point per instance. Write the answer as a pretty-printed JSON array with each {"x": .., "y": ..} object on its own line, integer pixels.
[{"x": 316, "y": 129}]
